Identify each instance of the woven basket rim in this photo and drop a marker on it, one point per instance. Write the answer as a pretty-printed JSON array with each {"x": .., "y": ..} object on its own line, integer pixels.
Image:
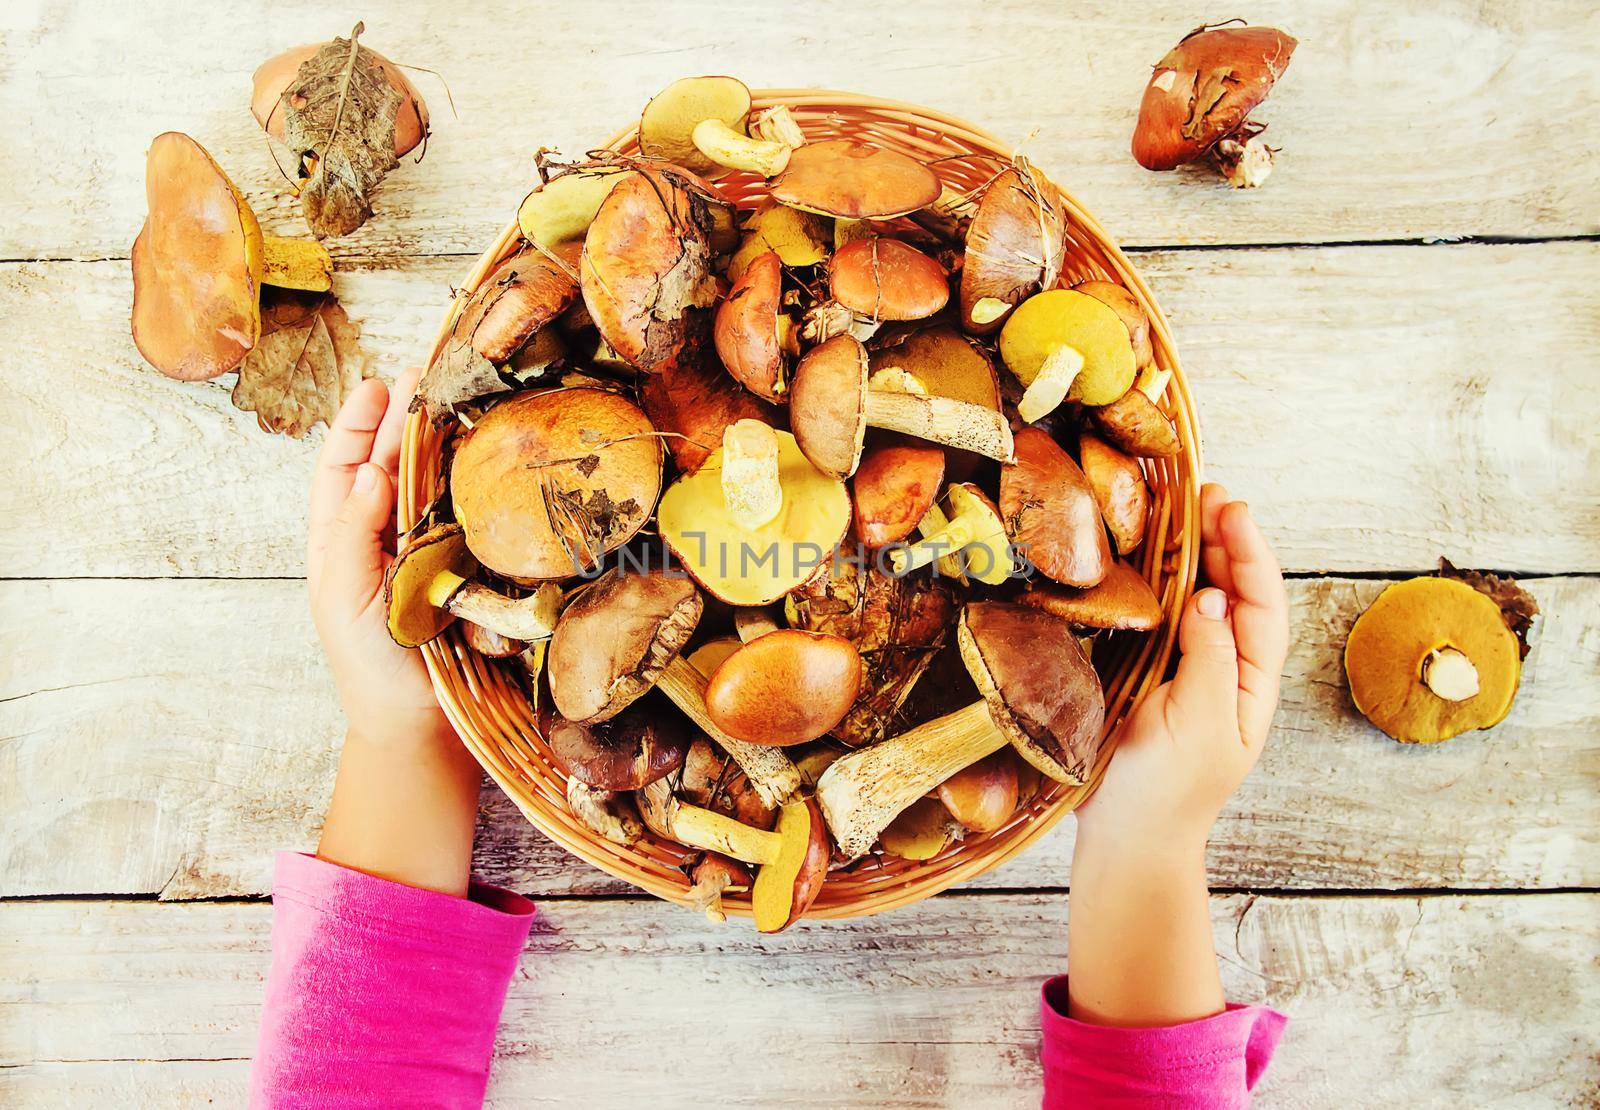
[{"x": 1169, "y": 557}]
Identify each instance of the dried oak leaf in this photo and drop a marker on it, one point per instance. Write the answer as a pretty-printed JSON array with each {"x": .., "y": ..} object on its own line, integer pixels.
[
  {"x": 1517, "y": 607},
  {"x": 459, "y": 375},
  {"x": 306, "y": 363},
  {"x": 338, "y": 119}
]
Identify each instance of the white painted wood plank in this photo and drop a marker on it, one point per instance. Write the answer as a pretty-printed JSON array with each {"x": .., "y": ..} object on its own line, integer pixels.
[
  {"x": 165, "y": 737},
  {"x": 1380, "y": 406},
  {"x": 1394, "y": 1001},
  {"x": 1447, "y": 119}
]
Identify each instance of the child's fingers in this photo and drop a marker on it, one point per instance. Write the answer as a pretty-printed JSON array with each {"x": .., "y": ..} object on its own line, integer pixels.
[
  {"x": 349, "y": 444},
  {"x": 1213, "y": 553},
  {"x": 386, "y": 447},
  {"x": 1260, "y": 619},
  {"x": 1207, "y": 681},
  {"x": 352, "y": 571}
]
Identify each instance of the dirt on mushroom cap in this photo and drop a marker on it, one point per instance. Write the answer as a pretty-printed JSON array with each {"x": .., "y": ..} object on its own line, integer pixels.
[
  {"x": 1050, "y": 512},
  {"x": 1015, "y": 245}
]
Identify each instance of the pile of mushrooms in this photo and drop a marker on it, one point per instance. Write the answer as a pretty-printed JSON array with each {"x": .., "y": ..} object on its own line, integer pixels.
[{"x": 732, "y": 482}]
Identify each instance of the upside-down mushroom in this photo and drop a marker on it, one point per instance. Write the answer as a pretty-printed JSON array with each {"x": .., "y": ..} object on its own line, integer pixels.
[
  {"x": 428, "y": 586},
  {"x": 699, "y": 123},
  {"x": 1039, "y": 694},
  {"x": 1065, "y": 344},
  {"x": 199, "y": 263},
  {"x": 972, "y": 531},
  {"x": 1050, "y": 512},
  {"x": 798, "y": 238}
]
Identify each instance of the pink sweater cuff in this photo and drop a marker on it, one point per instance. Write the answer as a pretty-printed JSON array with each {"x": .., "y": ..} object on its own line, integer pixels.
[
  {"x": 1210, "y": 1063},
  {"x": 379, "y": 990}
]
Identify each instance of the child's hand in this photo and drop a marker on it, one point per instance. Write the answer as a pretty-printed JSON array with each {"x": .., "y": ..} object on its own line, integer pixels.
[
  {"x": 1193, "y": 740},
  {"x": 384, "y": 688}
]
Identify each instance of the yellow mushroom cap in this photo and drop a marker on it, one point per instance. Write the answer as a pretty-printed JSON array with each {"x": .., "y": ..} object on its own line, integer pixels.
[
  {"x": 666, "y": 127},
  {"x": 1390, "y": 644},
  {"x": 1059, "y": 318}
]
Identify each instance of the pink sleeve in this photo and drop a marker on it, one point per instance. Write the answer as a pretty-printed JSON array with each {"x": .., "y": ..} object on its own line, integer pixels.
[
  {"x": 1208, "y": 1064},
  {"x": 381, "y": 993}
]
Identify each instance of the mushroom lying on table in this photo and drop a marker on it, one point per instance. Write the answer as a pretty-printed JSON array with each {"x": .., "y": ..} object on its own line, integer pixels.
[
  {"x": 1040, "y": 694},
  {"x": 429, "y": 585},
  {"x": 831, "y": 407},
  {"x": 622, "y": 635},
  {"x": 1062, "y": 343},
  {"x": 199, "y": 263}
]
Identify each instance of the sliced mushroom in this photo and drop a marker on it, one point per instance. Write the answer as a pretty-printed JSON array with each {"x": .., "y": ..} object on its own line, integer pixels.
[
  {"x": 831, "y": 408},
  {"x": 1015, "y": 246},
  {"x": 1121, "y": 600},
  {"x": 1119, "y": 488},
  {"x": 854, "y": 180},
  {"x": 1050, "y": 512},
  {"x": 884, "y": 279},
  {"x": 1040, "y": 694},
  {"x": 429, "y": 585},
  {"x": 787, "y": 687},
  {"x": 1064, "y": 344}
]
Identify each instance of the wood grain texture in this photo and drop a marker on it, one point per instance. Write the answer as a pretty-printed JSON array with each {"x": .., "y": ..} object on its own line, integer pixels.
[
  {"x": 1396, "y": 123},
  {"x": 194, "y": 732},
  {"x": 1395, "y": 1001},
  {"x": 1378, "y": 405}
]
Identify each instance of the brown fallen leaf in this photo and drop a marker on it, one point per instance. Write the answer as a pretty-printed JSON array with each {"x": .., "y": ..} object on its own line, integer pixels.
[
  {"x": 306, "y": 363},
  {"x": 339, "y": 119}
]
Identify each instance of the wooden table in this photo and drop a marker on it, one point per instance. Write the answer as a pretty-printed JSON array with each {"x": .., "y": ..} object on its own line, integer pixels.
[{"x": 1396, "y": 351}]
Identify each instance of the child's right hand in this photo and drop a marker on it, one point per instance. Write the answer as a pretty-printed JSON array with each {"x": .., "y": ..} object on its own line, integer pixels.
[{"x": 1194, "y": 739}]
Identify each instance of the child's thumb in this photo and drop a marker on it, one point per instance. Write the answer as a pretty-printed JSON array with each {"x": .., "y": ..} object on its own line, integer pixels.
[
  {"x": 1210, "y": 657},
  {"x": 353, "y": 567}
]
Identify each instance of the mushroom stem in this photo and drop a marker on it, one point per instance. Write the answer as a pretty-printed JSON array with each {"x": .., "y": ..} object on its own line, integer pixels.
[
  {"x": 865, "y": 790},
  {"x": 1050, "y": 387},
  {"x": 525, "y": 618},
  {"x": 942, "y": 543},
  {"x": 1450, "y": 674},
  {"x": 751, "y": 622},
  {"x": 737, "y": 151},
  {"x": 895, "y": 379},
  {"x": 1153, "y": 382},
  {"x": 772, "y": 773},
  {"x": 695, "y": 827},
  {"x": 932, "y": 522},
  {"x": 777, "y": 124},
  {"x": 953, "y": 423},
  {"x": 296, "y": 264},
  {"x": 750, "y": 485}
]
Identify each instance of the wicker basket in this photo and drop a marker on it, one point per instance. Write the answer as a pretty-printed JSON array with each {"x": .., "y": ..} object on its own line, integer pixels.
[{"x": 490, "y": 710}]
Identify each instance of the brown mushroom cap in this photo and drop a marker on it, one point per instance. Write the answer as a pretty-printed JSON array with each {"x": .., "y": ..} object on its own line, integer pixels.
[
  {"x": 828, "y": 404},
  {"x": 196, "y": 265},
  {"x": 1041, "y": 689},
  {"x": 884, "y": 279},
  {"x": 615, "y": 639},
  {"x": 709, "y": 778},
  {"x": 1119, "y": 489},
  {"x": 1134, "y": 424},
  {"x": 1121, "y": 600},
  {"x": 1389, "y": 651},
  {"x": 414, "y": 617},
  {"x": 983, "y": 795},
  {"x": 1203, "y": 90},
  {"x": 1127, "y": 307},
  {"x": 666, "y": 127},
  {"x": 746, "y": 329},
  {"x": 646, "y": 267},
  {"x": 696, "y": 400},
  {"x": 1015, "y": 245},
  {"x": 893, "y": 488},
  {"x": 786, "y": 687},
  {"x": 546, "y": 483},
  {"x": 274, "y": 76},
  {"x": 852, "y": 179},
  {"x": 525, "y": 293},
  {"x": 628, "y": 752},
  {"x": 1050, "y": 512}
]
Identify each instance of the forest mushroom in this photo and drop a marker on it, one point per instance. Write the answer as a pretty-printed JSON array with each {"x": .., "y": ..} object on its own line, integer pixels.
[
  {"x": 1119, "y": 488},
  {"x": 699, "y": 123},
  {"x": 1040, "y": 694},
  {"x": 792, "y": 858},
  {"x": 626, "y": 752},
  {"x": 983, "y": 795},
  {"x": 754, "y": 565},
  {"x": 1050, "y": 512},
  {"x": 547, "y": 483},
  {"x": 1014, "y": 248},
  {"x": 1431, "y": 658},
  {"x": 885, "y": 279},
  {"x": 752, "y": 332},
  {"x": 429, "y": 585},
  {"x": 646, "y": 266},
  {"x": 559, "y": 210},
  {"x": 1061, "y": 344},
  {"x": 1200, "y": 96},
  {"x": 921, "y": 831},
  {"x": 622, "y": 635},
  {"x": 489, "y": 643},
  {"x": 1120, "y": 600},
  {"x": 1128, "y": 309},
  {"x": 972, "y": 529},
  {"x": 893, "y": 489},
  {"x": 786, "y": 687},
  {"x": 710, "y": 778},
  {"x": 854, "y": 180},
  {"x": 273, "y": 78},
  {"x": 710, "y": 876},
  {"x": 199, "y": 263},
  {"x": 606, "y": 812},
  {"x": 831, "y": 408},
  {"x": 693, "y": 402},
  {"x": 1132, "y": 423},
  {"x": 749, "y": 623},
  {"x": 798, "y": 238}
]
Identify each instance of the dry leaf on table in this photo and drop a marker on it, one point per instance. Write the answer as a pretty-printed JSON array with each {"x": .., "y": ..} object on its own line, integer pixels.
[
  {"x": 307, "y": 362},
  {"x": 339, "y": 119}
]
